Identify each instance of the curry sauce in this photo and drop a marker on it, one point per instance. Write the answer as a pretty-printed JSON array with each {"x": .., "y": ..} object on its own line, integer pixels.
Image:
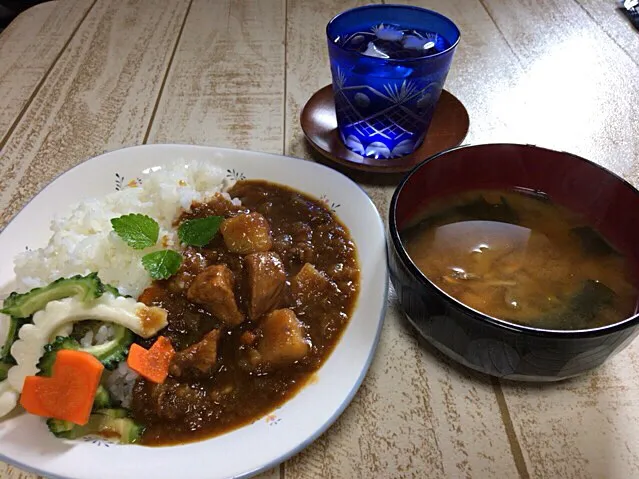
[{"x": 252, "y": 315}]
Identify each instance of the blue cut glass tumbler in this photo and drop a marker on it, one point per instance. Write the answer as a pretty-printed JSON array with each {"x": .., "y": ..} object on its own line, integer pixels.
[{"x": 389, "y": 64}]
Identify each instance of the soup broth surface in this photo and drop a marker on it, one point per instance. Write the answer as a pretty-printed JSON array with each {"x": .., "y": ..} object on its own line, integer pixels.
[{"x": 521, "y": 258}]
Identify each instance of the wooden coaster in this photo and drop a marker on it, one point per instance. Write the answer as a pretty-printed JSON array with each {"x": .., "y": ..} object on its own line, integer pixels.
[{"x": 447, "y": 130}]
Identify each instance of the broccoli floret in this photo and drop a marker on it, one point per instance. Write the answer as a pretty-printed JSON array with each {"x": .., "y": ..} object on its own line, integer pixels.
[
  {"x": 111, "y": 423},
  {"x": 25, "y": 304},
  {"x": 12, "y": 335}
]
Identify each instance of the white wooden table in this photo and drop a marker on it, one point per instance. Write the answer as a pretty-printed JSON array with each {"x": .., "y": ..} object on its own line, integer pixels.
[{"x": 80, "y": 77}]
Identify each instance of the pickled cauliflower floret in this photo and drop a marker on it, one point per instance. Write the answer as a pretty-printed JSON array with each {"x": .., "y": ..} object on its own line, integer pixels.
[{"x": 143, "y": 320}]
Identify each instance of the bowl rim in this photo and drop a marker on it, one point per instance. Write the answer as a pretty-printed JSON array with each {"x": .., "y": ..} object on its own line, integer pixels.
[{"x": 496, "y": 322}]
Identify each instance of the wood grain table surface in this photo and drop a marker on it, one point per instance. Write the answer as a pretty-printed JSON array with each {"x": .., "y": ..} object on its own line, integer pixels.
[{"x": 81, "y": 77}]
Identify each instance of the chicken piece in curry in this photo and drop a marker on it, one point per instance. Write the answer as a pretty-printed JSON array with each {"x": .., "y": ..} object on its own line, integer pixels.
[{"x": 252, "y": 315}]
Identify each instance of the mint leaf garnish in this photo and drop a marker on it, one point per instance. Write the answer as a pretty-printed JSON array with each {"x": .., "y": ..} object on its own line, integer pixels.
[
  {"x": 138, "y": 231},
  {"x": 199, "y": 231},
  {"x": 162, "y": 264}
]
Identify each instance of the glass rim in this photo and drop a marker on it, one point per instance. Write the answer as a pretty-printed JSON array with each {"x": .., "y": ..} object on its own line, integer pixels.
[{"x": 403, "y": 7}]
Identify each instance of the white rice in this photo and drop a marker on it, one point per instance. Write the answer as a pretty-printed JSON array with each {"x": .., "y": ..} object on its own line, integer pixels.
[
  {"x": 101, "y": 336},
  {"x": 104, "y": 334},
  {"x": 120, "y": 384},
  {"x": 87, "y": 340},
  {"x": 83, "y": 240}
]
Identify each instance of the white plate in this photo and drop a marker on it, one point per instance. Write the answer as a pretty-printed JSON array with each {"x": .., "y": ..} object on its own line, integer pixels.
[{"x": 25, "y": 440}]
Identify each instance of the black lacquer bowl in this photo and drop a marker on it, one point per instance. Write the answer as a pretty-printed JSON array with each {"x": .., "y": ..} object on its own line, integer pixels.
[{"x": 480, "y": 341}]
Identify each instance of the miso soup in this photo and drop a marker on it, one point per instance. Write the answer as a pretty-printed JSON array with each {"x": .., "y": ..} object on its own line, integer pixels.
[{"x": 521, "y": 258}]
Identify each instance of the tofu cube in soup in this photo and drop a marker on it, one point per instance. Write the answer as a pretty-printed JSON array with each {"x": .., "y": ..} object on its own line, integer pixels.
[
  {"x": 213, "y": 288},
  {"x": 246, "y": 233},
  {"x": 283, "y": 340},
  {"x": 266, "y": 277}
]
